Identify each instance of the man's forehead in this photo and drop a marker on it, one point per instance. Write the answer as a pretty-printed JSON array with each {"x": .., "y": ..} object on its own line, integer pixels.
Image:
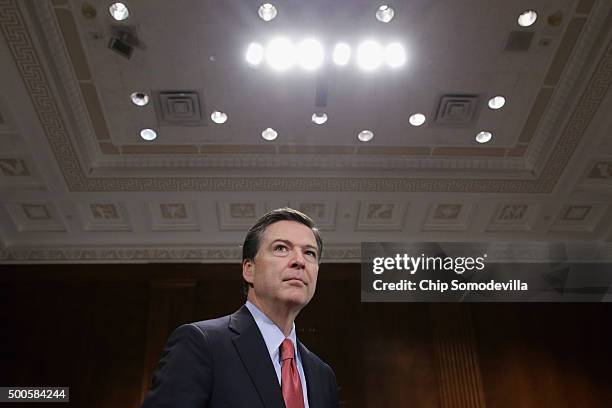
[{"x": 290, "y": 231}]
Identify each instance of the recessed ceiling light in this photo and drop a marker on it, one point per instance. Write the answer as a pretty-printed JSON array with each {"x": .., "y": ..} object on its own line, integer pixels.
[
  {"x": 267, "y": 12},
  {"x": 255, "y": 54},
  {"x": 310, "y": 54},
  {"x": 483, "y": 137},
  {"x": 527, "y": 18},
  {"x": 148, "y": 134},
  {"x": 369, "y": 55},
  {"x": 269, "y": 134},
  {"x": 417, "y": 119},
  {"x": 218, "y": 117},
  {"x": 395, "y": 55},
  {"x": 385, "y": 13},
  {"x": 119, "y": 11},
  {"x": 139, "y": 98},
  {"x": 497, "y": 102},
  {"x": 342, "y": 54},
  {"x": 280, "y": 54},
  {"x": 319, "y": 118},
  {"x": 365, "y": 135}
]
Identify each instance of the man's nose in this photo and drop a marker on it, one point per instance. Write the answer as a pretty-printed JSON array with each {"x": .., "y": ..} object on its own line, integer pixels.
[{"x": 298, "y": 260}]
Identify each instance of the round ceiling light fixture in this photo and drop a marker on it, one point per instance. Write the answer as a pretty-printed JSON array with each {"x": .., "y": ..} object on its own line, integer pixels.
[
  {"x": 218, "y": 117},
  {"x": 497, "y": 102},
  {"x": 255, "y": 54},
  {"x": 527, "y": 18},
  {"x": 417, "y": 119},
  {"x": 119, "y": 11},
  {"x": 269, "y": 134},
  {"x": 148, "y": 134},
  {"x": 280, "y": 54},
  {"x": 385, "y": 13},
  {"x": 395, "y": 55},
  {"x": 319, "y": 118},
  {"x": 483, "y": 136},
  {"x": 310, "y": 54},
  {"x": 365, "y": 135},
  {"x": 342, "y": 54},
  {"x": 139, "y": 98},
  {"x": 267, "y": 12},
  {"x": 370, "y": 55}
]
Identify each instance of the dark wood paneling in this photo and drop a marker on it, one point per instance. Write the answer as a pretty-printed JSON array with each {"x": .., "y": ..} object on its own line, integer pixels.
[{"x": 99, "y": 329}]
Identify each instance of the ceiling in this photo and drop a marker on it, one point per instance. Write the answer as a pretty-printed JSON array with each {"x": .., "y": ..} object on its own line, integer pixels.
[{"x": 78, "y": 184}]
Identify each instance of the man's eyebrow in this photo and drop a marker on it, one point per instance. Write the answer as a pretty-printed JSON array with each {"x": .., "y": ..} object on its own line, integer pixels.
[{"x": 286, "y": 241}]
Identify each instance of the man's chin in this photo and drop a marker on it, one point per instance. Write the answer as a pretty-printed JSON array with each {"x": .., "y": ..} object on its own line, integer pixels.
[{"x": 297, "y": 299}]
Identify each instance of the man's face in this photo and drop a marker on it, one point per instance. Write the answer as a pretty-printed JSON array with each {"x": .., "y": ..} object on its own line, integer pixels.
[{"x": 284, "y": 271}]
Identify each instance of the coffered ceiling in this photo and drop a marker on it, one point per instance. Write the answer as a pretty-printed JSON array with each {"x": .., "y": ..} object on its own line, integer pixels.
[{"x": 78, "y": 183}]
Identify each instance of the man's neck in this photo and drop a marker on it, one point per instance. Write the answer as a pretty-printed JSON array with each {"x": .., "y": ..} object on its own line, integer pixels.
[{"x": 282, "y": 316}]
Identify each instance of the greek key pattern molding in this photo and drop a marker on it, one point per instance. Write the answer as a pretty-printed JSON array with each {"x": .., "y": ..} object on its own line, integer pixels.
[{"x": 140, "y": 254}]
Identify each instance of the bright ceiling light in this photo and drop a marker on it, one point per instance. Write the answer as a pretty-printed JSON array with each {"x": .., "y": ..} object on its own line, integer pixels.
[
  {"x": 310, "y": 54},
  {"x": 483, "y": 137},
  {"x": 342, "y": 54},
  {"x": 119, "y": 11},
  {"x": 369, "y": 55},
  {"x": 365, "y": 135},
  {"x": 255, "y": 54},
  {"x": 267, "y": 12},
  {"x": 417, "y": 119},
  {"x": 395, "y": 55},
  {"x": 139, "y": 98},
  {"x": 497, "y": 102},
  {"x": 319, "y": 118},
  {"x": 218, "y": 117},
  {"x": 269, "y": 134},
  {"x": 280, "y": 54},
  {"x": 148, "y": 134},
  {"x": 385, "y": 13},
  {"x": 527, "y": 18}
]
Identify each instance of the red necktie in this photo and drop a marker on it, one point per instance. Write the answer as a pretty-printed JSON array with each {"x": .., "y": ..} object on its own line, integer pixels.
[{"x": 290, "y": 377}]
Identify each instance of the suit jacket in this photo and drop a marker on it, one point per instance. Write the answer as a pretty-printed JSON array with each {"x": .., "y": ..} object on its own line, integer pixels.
[{"x": 224, "y": 362}]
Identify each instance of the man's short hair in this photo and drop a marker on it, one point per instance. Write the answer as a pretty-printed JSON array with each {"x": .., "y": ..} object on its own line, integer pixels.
[{"x": 253, "y": 238}]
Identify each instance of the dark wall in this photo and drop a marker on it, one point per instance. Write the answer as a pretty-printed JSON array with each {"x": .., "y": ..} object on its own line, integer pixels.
[{"x": 99, "y": 329}]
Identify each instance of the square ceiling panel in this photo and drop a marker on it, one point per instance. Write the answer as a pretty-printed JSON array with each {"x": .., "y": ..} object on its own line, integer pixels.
[
  {"x": 179, "y": 108},
  {"x": 457, "y": 110}
]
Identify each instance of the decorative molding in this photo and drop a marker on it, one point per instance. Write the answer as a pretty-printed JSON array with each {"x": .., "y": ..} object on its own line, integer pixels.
[
  {"x": 369, "y": 163},
  {"x": 545, "y": 136},
  {"x": 525, "y": 251},
  {"x": 211, "y": 254},
  {"x": 448, "y": 216},
  {"x": 381, "y": 215},
  {"x": 514, "y": 216},
  {"x": 34, "y": 216},
  {"x": 11, "y": 167},
  {"x": 68, "y": 84}
]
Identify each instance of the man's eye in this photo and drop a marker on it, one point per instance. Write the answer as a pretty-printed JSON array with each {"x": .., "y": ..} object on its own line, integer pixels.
[
  {"x": 280, "y": 248},
  {"x": 311, "y": 253}
]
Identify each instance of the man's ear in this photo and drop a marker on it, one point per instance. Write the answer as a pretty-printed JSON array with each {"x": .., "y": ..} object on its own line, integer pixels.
[{"x": 247, "y": 270}]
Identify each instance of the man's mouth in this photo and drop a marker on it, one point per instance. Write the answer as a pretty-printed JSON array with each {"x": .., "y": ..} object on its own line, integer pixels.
[{"x": 295, "y": 281}]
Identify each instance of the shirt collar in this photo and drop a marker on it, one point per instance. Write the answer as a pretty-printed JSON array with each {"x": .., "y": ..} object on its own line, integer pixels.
[{"x": 273, "y": 336}]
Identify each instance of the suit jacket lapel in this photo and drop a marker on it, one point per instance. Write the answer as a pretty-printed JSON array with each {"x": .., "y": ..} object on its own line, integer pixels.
[
  {"x": 254, "y": 355},
  {"x": 309, "y": 372}
]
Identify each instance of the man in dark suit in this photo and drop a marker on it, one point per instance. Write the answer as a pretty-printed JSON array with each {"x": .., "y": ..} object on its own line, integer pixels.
[{"x": 253, "y": 358}]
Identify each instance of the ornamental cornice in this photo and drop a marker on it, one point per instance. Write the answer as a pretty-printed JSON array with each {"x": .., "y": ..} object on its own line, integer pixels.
[{"x": 208, "y": 254}]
